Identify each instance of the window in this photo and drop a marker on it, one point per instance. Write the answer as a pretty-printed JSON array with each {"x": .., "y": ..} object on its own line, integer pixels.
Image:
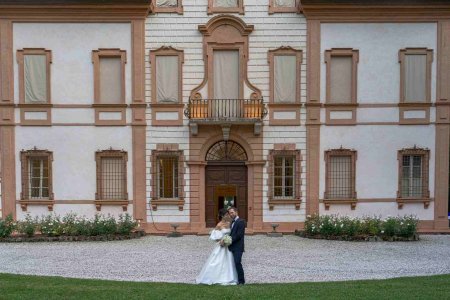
[
  {"x": 34, "y": 75},
  {"x": 415, "y": 75},
  {"x": 413, "y": 173},
  {"x": 341, "y": 75},
  {"x": 227, "y": 80},
  {"x": 340, "y": 174},
  {"x": 281, "y": 6},
  {"x": 225, "y": 6},
  {"x": 109, "y": 76},
  {"x": 36, "y": 175},
  {"x": 341, "y": 85},
  {"x": 167, "y": 176},
  {"x": 285, "y": 65},
  {"x": 284, "y": 175},
  {"x": 111, "y": 175},
  {"x": 166, "y": 75},
  {"x": 168, "y": 6}
]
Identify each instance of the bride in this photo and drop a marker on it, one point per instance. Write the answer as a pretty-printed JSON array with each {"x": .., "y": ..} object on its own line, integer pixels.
[{"x": 219, "y": 267}]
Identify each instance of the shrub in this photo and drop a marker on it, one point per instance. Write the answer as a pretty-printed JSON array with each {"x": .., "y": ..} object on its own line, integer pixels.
[
  {"x": 28, "y": 226},
  {"x": 7, "y": 226},
  {"x": 51, "y": 225},
  {"x": 333, "y": 225},
  {"x": 126, "y": 224}
]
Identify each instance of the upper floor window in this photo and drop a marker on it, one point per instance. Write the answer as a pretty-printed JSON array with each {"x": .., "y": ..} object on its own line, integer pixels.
[
  {"x": 166, "y": 75},
  {"x": 415, "y": 74},
  {"x": 413, "y": 173},
  {"x": 34, "y": 75},
  {"x": 168, "y": 6},
  {"x": 341, "y": 75},
  {"x": 276, "y": 6},
  {"x": 285, "y": 65},
  {"x": 340, "y": 167},
  {"x": 109, "y": 76},
  {"x": 36, "y": 175},
  {"x": 225, "y": 6},
  {"x": 111, "y": 175}
]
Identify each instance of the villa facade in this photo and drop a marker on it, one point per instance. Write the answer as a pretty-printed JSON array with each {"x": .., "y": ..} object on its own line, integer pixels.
[{"x": 172, "y": 109}]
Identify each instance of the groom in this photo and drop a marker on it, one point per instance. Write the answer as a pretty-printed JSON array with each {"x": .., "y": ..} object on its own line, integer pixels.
[{"x": 237, "y": 246}]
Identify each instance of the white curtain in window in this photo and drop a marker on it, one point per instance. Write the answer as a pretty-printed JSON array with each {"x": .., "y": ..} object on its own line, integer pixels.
[
  {"x": 225, "y": 3},
  {"x": 167, "y": 80},
  {"x": 285, "y": 78},
  {"x": 35, "y": 76},
  {"x": 110, "y": 80},
  {"x": 226, "y": 74},
  {"x": 166, "y": 3},
  {"x": 341, "y": 79},
  {"x": 340, "y": 177},
  {"x": 415, "y": 77},
  {"x": 284, "y": 3}
]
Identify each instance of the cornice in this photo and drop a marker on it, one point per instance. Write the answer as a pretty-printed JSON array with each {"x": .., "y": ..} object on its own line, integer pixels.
[{"x": 71, "y": 11}]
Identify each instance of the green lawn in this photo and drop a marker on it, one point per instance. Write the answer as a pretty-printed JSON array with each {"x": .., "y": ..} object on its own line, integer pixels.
[{"x": 36, "y": 287}]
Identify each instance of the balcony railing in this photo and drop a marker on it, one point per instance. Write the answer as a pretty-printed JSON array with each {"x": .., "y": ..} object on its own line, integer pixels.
[{"x": 226, "y": 110}]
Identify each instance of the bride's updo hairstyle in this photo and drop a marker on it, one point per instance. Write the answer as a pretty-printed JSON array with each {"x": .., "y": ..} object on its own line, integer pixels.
[{"x": 222, "y": 213}]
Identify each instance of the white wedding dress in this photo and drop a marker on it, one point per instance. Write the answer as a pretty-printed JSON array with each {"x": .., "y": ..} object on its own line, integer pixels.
[{"x": 219, "y": 267}]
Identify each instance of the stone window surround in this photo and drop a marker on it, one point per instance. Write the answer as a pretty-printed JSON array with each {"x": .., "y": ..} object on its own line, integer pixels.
[
  {"x": 417, "y": 106},
  {"x": 108, "y": 107},
  {"x": 285, "y": 150},
  {"x": 176, "y": 9},
  {"x": 284, "y": 51},
  {"x": 99, "y": 201},
  {"x": 216, "y": 10},
  {"x": 168, "y": 150},
  {"x": 331, "y": 107},
  {"x": 340, "y": 152},
  {"x": 425, "y": 154},
  {"x": 25, "y": 156},
  {"x": 295, "y": 9},
  {"x": 34, "y": 107},
  {"x": 165, "y": 107}
]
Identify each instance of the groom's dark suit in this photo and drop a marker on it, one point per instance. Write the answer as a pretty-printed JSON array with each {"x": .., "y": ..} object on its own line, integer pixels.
[{"x": 237, "y": 246}]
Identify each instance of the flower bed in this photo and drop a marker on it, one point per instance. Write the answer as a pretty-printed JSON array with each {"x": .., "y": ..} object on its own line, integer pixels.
[
  {"x": 68, "y": 228},
  {"x": 333, "y": 227}
]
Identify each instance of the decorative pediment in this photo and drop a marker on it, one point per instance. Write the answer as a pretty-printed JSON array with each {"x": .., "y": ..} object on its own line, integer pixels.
[{"x": 228, "y": 20}]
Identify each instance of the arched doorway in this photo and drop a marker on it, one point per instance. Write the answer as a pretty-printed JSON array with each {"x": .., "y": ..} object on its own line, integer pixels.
[{"x": 226, "y": 180}]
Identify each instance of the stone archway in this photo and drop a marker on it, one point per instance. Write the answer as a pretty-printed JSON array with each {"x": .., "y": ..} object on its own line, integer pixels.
[{"x": 225, "y": 180}]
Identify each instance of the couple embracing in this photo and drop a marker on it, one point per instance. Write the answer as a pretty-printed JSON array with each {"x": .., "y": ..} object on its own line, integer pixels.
[{"x": 224, "y": 264}]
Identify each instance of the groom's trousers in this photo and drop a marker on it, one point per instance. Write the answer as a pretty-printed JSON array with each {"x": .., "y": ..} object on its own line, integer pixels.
[{"x": 239, "y": 269}]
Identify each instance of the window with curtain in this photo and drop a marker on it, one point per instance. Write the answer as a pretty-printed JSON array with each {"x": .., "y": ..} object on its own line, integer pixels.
[
  {"x": 38, "y": 177},
  {"x": 110, "y": 80},
  {"x": 415, "y": 77},
  {"x": 284, "y": 3},
  {"x": 285, "y": 78},
  {"x": 35, "y": 78},
  {"x": 167, "y": 78},
  {"x": 283, "y": 177},
  {"x": 340, "y": 177},
  {"x": 226, "y": 74},
  {"x": 166, "y": 3},
  {"x": 112, "y": 178},
  {"x": 225, "y": 3},
  {"x": 167, "y": 175},
  {"x": 341, "y": 79}
]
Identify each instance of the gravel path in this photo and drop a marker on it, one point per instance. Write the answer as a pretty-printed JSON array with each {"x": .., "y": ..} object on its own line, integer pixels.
[{"x": 286, "y": 259}]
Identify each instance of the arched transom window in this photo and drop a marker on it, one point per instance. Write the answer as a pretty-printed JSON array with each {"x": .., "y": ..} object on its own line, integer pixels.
[{"x": 226, "y": 150}]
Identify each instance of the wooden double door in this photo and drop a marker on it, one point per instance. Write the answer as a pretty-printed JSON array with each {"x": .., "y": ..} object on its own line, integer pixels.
[{"x": 226, "y": 185}]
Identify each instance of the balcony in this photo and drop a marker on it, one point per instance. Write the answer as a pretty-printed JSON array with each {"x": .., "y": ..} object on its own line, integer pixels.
[{"x": 225, "y": 112}]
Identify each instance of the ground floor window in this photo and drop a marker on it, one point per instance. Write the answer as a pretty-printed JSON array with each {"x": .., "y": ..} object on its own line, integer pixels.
[
  {"x": 111, "y": 175},
  {"x": 413, "y": 173},
  {"x": 340, "y": 167},
  {"x": 36, "y": 174}
]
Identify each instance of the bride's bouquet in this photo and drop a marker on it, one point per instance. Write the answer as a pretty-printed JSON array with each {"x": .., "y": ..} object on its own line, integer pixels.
[{"x": 227, "y": 240}]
